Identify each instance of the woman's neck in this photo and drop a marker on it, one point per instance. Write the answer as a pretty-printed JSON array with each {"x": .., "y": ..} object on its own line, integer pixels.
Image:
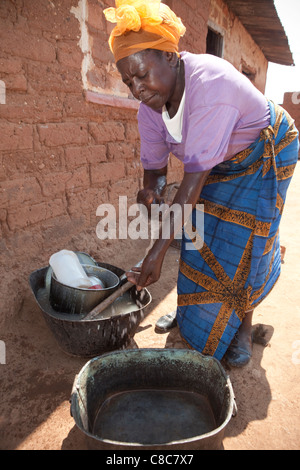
[{"x": 173, "y": 105}]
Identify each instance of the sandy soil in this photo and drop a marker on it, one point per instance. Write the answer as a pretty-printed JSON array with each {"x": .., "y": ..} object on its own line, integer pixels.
[{"x": 37, "y": 379}]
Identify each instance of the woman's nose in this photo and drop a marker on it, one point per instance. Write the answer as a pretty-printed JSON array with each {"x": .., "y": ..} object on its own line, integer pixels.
[{"x": 137, "y": 88}]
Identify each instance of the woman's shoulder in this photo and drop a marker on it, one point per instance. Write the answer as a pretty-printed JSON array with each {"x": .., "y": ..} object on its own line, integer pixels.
[
  {"x": 206, "y": 66},
  {"x": 211, "y": 80}
]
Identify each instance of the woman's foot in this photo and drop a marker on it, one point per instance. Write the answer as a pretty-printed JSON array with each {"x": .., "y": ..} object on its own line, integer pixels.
[
  {"x": 239, "y": 352},
  {"x": 167, "y": 322}
]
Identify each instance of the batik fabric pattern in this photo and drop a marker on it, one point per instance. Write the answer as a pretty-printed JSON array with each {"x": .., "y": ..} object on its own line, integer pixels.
[{"x": 239, "y": 261}]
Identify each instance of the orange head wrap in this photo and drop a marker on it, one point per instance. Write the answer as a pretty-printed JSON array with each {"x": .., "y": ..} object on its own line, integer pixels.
[{"x": 143, "y": 25}]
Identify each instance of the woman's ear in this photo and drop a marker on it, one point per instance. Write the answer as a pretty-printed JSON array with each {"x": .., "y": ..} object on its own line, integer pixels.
[{"x": 171, "y": 57}]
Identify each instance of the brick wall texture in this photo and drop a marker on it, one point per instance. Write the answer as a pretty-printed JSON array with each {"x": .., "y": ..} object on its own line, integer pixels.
[
  {"x": 291, "y": 102},
  {"x": 60, "y": 154}
]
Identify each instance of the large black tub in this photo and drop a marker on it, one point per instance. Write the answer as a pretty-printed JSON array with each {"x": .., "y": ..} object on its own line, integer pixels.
[
  {"x": 147, "y": 399},
  {"x": 78, "y": 337}
]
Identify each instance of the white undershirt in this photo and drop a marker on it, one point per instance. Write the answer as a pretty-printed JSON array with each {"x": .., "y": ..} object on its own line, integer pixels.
[{"x": 174, "y": 125}]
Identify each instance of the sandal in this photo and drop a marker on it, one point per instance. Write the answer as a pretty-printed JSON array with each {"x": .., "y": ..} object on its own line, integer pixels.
[{"x": 167, "y": 322}]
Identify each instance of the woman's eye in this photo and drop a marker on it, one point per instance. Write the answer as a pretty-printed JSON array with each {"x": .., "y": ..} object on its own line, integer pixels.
[{"x": 127, "y": 83}]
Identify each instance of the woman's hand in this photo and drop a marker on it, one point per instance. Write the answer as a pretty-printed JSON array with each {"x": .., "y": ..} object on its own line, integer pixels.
[
  {"x": 154, "y": 185},
  {"x": 147, "y": 197},
  {"x": 149, "y": 272},
  {"x": 187, "y": 194}
]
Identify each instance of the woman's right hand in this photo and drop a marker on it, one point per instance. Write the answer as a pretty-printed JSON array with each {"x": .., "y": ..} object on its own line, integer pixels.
[
  {"x": 147, "y": 197},
  {"x": 150, "y": 270}
]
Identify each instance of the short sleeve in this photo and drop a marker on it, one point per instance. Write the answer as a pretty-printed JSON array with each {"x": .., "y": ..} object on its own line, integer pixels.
[
  {"x": 208, "y": 136},
  {"x": 154, "y": 150}
]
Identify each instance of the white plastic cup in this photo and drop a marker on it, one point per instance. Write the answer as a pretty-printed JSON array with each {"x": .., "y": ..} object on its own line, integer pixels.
[{"x": 68, "y": 269}]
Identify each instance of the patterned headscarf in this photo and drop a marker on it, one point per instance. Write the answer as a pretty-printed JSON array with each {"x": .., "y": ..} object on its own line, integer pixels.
[{"x": 143, "y": 25}]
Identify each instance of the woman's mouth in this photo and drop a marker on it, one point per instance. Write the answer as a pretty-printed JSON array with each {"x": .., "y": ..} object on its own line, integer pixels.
[{"x": 146, "y": 99}]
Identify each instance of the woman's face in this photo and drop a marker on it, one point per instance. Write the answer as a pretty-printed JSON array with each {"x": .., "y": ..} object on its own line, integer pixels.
[{"x": 150, "y": 76}]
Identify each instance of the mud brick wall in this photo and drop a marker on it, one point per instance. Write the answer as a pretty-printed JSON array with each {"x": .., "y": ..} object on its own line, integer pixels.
[
  {"x": 68, "y": 132},
  {"x": 239, "y": 47},
  {"x": 291, "y": 102},
  {"x": 60, "y": 154}
]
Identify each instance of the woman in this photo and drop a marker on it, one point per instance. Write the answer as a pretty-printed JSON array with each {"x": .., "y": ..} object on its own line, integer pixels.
[{"x": 238, "y": 151}]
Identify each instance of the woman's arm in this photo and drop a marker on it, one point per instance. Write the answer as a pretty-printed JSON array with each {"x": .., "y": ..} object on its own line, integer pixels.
[
  {"x": 188, "y": 193},
  {"x": 155, "y": 182}
]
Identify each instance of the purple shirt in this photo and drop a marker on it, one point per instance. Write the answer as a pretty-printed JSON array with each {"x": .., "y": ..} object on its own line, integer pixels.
[{"x": 223, "y": 114}]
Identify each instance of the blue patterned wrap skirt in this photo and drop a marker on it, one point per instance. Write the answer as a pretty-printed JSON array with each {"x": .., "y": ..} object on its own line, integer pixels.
[{"x": 239, "y": 261}]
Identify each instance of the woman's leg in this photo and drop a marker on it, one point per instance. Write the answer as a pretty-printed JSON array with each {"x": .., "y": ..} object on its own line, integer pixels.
[{"x": 239, "y": 352}]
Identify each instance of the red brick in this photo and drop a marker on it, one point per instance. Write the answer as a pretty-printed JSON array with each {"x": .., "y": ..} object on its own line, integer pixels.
[
  {"x": 100, "y": 49},
  {"x": 51, "y": 18},
  {"x": 77, "y": 156},
  {"x": 97, "y": 77},
  {"x": 26, "y": 215},
  {"x": 114, "y": 82},
  {"x": 134, "y": 169},
  {"x": 96, "y": 154},
  {"x": 37, "y": 144},
  {"x": 3, "y": 215},
  {"x": 291, "y": 103},
  {"x": 15, "y": 192},
  {"x": 127, "y": 187},
  {"x": 32, "y": 108},
  {"x": 48, "y": 159},
  {"x": 132, "y": 132},
  {"x": 107, "y": 172},
  {"x": 54, "y": 184},
  {"x": 8, "y": 11},
  {"x": 86, "y": 201},
  {"x": 191, "y": 3},
  {"x": 190, "y": 17},
  {"x": 75, "y": 105},
  {"x": 15, "y": 137},
  {"x": 69, "y": 54},
  {"x": 45, "y": 78},
  {"x": 16, "y": 82},
  {"x": 18, "y": 43},
  {"x": 121, "y": 151},
  {"x": 95, "y": 16},
  {"x": 55, "y": 135},
  {"x": 107, "y": 131},
  {"x": 10, "y": 65},
  {"x": 31, "y": 163},
  {"x": 2, "y": 169},
  {"x": 80, "y": 178}
]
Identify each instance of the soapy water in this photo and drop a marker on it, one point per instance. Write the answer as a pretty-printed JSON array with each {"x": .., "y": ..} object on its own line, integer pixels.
[{"x": 121, "y": 305}]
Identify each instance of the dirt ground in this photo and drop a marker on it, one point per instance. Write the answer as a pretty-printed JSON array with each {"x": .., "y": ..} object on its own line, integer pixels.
[{"x": 37, "y": 379}]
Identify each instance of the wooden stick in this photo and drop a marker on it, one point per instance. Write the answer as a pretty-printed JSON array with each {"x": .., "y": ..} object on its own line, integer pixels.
[{"x": 108, "y": 301}]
